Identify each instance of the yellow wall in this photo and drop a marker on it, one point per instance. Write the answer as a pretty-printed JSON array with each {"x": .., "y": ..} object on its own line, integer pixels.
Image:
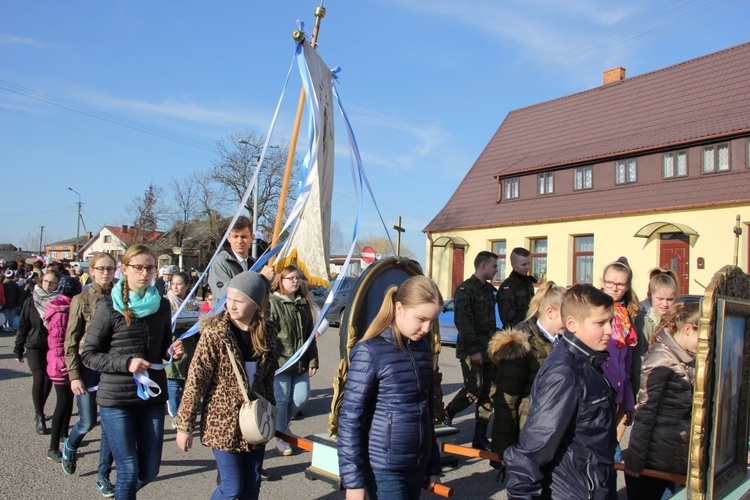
[{"x": 613, "y": 237}]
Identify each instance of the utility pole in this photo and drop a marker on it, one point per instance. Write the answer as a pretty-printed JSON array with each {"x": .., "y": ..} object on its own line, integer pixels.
[
  {"x": 41, "y": 238},
  {"x": 399, "y": 230},
  {"x": 78, "y": 225}
]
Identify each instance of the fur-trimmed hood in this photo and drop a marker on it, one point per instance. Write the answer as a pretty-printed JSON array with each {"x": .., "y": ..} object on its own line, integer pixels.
[{"x": 508, "y": 345}]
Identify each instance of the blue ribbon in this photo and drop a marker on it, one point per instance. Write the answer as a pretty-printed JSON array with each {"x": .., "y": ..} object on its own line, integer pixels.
[{"x": 143, "y": 383}]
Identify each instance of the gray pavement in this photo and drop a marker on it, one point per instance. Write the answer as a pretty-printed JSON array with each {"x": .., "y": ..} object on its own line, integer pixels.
[{"x": 25, "y": 472}]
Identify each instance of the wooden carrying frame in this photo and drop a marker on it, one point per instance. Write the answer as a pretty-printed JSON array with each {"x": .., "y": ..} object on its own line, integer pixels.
[{"x": 719, "y": 428}]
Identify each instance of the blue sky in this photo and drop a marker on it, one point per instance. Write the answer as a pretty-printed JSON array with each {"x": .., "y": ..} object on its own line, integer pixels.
[{"x": 426, "y": 84}]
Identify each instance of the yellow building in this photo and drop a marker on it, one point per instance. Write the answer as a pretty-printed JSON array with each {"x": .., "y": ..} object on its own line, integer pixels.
[{"x": 655, "y": 168}]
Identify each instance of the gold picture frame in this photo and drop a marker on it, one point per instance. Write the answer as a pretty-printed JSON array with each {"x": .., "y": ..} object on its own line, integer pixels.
[{"x": 719, "y": 428}]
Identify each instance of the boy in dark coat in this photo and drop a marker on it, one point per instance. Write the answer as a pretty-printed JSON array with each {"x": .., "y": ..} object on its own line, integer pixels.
[{"x": 566, "y": 447}]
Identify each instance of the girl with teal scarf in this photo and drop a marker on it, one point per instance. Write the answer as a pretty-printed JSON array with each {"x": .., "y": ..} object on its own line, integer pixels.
[{"x": 117, "y": 346}]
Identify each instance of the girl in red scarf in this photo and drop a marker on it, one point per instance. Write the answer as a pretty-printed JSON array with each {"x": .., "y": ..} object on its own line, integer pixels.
[{"x": 616, "y": 282}]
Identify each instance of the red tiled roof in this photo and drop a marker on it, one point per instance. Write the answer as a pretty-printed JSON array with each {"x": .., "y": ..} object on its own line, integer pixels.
[
  {"x": 686, "y": 103},
  {"x": 148, "y": 236}
]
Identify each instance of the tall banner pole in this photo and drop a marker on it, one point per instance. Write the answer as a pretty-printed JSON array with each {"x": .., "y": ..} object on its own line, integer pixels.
[{"x": 320, "y": 12}]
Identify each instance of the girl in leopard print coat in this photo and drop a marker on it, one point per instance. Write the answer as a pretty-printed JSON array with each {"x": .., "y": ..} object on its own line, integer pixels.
[{"x": 211, "y": 385}]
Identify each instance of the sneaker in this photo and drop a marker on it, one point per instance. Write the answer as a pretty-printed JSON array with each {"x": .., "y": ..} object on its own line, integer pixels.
[
  {"x": 283, "y": 447},
  {"x": 68, "y": 459},
  {"x": 54, "y": 455},
  {"x": 298, "y": 416},
  {"x": 106, "y": 488}
]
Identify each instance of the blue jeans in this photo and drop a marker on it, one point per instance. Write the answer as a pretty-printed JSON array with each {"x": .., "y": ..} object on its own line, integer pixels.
[
  {"x": 240, "y": 474},
  {"x": 87, "y": 421},
  {"x": 395, "y": 485},
  {"x": 10, "y": 314},
  {"x": 291, "y": 390},
  {"x": 136, "y": 435},
  {"x": 176, "y": 387}
]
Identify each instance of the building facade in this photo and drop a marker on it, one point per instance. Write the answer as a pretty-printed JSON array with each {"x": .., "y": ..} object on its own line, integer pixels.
[
  {"x": 114, "y": 240},
  {"x": 655, "y": 168}
]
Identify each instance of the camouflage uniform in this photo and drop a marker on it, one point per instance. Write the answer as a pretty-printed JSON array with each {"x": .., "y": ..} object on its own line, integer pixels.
[
  {"x": 513, "y": 298},
  {"x": 474, "y": 305}
]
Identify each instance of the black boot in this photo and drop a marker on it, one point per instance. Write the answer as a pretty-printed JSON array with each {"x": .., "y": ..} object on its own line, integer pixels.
[
  {"x": 41, "y": 425},
  {"x": 480, "y": 441}
]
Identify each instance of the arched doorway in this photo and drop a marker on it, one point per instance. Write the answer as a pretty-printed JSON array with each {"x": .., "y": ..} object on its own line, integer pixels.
[{"x": 675, "y": 241}]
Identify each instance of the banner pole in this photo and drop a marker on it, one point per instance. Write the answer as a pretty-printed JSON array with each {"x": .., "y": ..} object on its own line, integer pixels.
[{"x": 320, "y": 12}]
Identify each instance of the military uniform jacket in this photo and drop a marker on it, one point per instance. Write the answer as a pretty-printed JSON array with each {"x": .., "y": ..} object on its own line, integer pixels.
[
  {"x": 474, "y": 306},
  {"x": 513, "y": 298}
]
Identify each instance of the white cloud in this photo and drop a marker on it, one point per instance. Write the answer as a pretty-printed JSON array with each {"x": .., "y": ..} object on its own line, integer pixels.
[{"x": 8, "y": 39}]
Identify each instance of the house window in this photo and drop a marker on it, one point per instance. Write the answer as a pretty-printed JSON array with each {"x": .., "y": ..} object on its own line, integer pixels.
[
  {"x": 545, "y": 183},
  {"x": 107, "y": 239},
  {"x": 674, "y": 164},
  {"x": 53, "y": 255},
  {"x": 583, "y": 259},
  {"x": 510, "y": 188},
  {"x": 715, "y": 158},
  {"x": 625, "y": 171},
  {"x": 498, "y": 247},
  {"x": 582, "y": 178},
  {"x": 539, "y": 258},
  {"x": 65, "y": 255}
]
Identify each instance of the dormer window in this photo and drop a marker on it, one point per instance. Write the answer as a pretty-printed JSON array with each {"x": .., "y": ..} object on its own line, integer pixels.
[
  {"x": 674, "y": 164},
  {"x": 715, "y": 158},
  {"x": 582, "y": 178},
  {"x": 625, "y": 171},
  {"x": 510, "y": 188},
  {"x": 545, "y": 183}
]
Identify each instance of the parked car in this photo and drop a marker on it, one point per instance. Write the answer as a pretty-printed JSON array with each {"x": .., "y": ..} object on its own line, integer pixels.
[
  {"x": 448, "y": 331},
  {"x": 338, "y": 306}
]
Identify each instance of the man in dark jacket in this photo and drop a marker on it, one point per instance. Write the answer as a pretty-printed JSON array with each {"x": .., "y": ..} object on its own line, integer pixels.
[
  {"x": 566, "y": 447},
  {"x": 234, "y": 260},
  {"x": 474, "y": 305},
  {"x": 515, "y": 293}
]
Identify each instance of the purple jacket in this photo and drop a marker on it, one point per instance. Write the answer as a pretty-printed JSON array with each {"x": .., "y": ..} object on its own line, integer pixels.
[
  {"x": 58, "y": 311},
  {"x": 617, "y": 371}
]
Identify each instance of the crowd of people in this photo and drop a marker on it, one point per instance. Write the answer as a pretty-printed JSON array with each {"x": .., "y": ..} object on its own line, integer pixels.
[
  {"x": 569, "y": 372},
  {"x": 571, "y": 369}
]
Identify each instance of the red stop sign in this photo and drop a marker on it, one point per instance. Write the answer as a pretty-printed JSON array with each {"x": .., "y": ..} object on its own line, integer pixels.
[{"x": 368, "y": 255}]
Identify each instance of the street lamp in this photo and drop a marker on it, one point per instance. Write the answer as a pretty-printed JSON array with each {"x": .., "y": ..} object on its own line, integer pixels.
[
  {"x": 255, "y": 198},
  {"x": 78, "y": 221}
]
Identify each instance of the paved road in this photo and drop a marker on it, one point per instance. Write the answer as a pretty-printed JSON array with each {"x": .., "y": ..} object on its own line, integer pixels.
[{"x": 27, "y": 474}]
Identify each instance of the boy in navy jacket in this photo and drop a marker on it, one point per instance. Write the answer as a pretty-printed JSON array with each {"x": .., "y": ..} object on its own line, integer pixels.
[{"x": 566, "y": 446}]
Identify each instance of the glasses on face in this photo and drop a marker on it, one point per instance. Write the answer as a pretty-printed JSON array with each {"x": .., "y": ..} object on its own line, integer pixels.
[
  {"x": 49, "y": 283},
  {"x": 293, "y": 278},
  {"x": 104, "y": 269},
  {"x": 139, "y": 268},
  {"x": 614, "y": 284}
]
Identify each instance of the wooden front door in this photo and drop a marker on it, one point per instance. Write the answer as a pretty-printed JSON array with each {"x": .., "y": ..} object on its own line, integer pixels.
[
  {"x": 458, "y": 268},
  {"x": 674, "y": 254}
]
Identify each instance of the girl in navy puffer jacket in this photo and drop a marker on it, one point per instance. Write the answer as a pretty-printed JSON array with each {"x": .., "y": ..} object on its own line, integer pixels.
[{"x": 386, "y": 441}]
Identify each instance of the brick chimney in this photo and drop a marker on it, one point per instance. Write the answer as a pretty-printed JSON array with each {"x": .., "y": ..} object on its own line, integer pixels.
[
  {"x": 124, "y": 228},
  {"x": 89, "y": 235},
  {"x": 614, "y": 75}
]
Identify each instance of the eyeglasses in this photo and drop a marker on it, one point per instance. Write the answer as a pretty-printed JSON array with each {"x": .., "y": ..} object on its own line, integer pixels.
[
  {"x": 614, "y": 284},
  {"x": 292, "y": 278},
  {"x": 139, "y": 268},
  {"x": 104, "y": 269},
  {"x": 52, "y": 283}
]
